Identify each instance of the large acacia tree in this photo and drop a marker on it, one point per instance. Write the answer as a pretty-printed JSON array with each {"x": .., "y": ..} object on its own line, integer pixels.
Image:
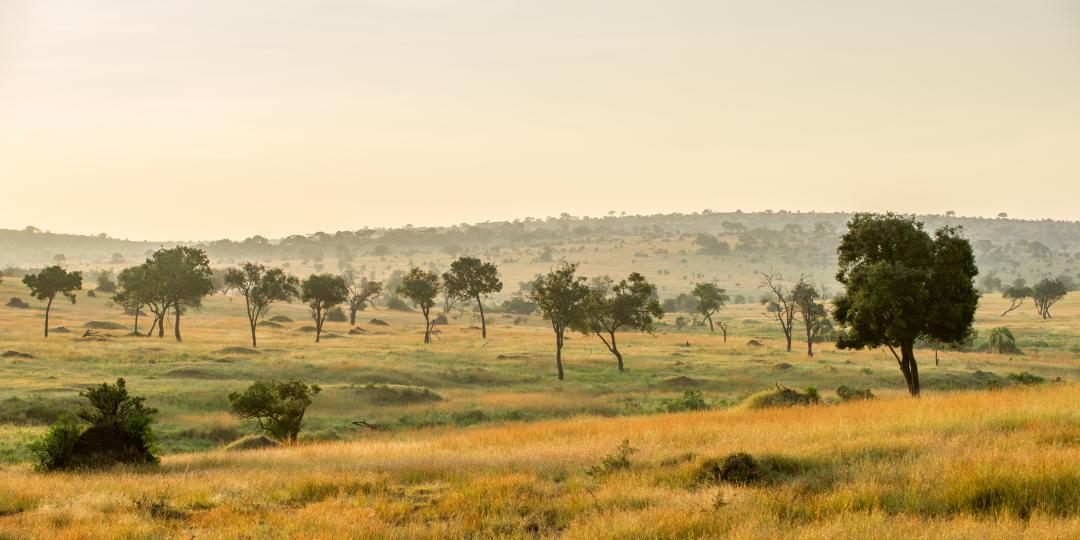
[
  {"x": 51, "y": 281},
  {"x": 182, "y": 278},
  {"x": 260, "y": 287},
  {"x": 901, "y": 284},
  {"x": 323, "y": 292},
  {"x": 560, "y": 295},
  {"x": 471, "y": 279},
  {"x": 421, "y": 287},
  {"x": 630, "y": 304}
]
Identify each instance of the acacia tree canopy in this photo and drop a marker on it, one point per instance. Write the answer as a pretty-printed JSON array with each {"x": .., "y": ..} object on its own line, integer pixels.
[
  {"x": 630, "y": 304},
  {"x": 421, "y": 287},
  {"x": 261, "y": 287},
  {"x": 901, "y": 285},
  {"x": 51, "y": 281},
  {"x": 323, "y": 292},
  {"x": 560, "y": 296},
  {"x": 471, "y": 279}
]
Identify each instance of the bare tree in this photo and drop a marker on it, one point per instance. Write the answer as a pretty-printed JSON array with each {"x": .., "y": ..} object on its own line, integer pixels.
[
  {"x": 361, "y": 292},
  {"x": 779, "y": 302}
]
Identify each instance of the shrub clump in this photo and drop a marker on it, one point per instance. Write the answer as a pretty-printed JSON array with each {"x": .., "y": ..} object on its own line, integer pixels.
[
  {"x": 1025, "y": 378},
  {"x": 119, "y": 432},
  {"x": 17, "y": 303},
  {"x": 277, "y": 406},
  {"x": 1002, "y": 341},
  {"x": 336, "y": 315},
  {"x": 392, "y": 394},
  {"x": 782, "y": 397},
  {"x": 846, "y": 393},
  {"x": 738, "y": 468},
  {"x": 691, "y": 400},
  {"x": 615, "y": 461}
]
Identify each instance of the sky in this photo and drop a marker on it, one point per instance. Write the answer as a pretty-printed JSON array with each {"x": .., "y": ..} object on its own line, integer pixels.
[{"x": 203, "y": 119}]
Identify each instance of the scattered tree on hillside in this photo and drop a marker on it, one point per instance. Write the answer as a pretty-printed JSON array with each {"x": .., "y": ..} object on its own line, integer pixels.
[
  {"x": 323, "y": 292},
  {"x": 361, "y": 292},
  {"x": 136, "y": 291},
  {"x": 710, "y": 300},
  {"x": 711, "y": 245},
  {"x": 630, "y": 304},
  {"x": 51, "y": 281},
  {"x": 560, "y": 295},
  {"x": 421, "y": 287},
  {"x": 277, "y": 406},
  {"x": 901, "y": 285},
  {"x": 260, "y": 288},
  {"x": 471, "y": 279},
  {"x": 810, "y": 305},
  {"x": 183, "y": 278},
  {"x": 779, "y": 303},
  {"x": 1016, "y": 294},
  {"x": 1046, "y": 293}
]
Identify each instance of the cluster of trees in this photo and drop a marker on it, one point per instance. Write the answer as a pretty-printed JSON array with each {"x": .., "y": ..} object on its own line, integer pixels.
[
  {"x": 1044, "y": 294},
  {"x": 170, "y": 281}
]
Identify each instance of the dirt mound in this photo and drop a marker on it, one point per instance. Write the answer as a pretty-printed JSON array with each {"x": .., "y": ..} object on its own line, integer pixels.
[
  {"x": 680, "y": 382},
  {"x": 94, "y": 337},
  {"x": 237, "y": 350},
  {"x": 60, "y": 330},
  {"x": 104, "y": 325},
  {"x": 192, "y": 373},
  {"x": 252, "y": 442},
  {"x": 17, "y": 303},
  {"x": 15, "y": 354},
  {"x": 357, "y": 331},
  {"x": 512, "y": 356},
  {"x": 332, "y": 336},
  {"x": 270, "y": 324},
  {"x": 280, "y": 319},
  {"x": 738, "y": 468},
  {"x": 378, "y": 322},
  {"x": 108, "y": 446},
  {"x": 782, "y": 366},
  {"x": 753, "y": 343},
  {"x": 306, "y": 329}
]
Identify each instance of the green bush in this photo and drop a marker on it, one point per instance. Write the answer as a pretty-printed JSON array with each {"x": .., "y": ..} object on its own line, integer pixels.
[
  {"x": 846, "y": 393},
  {"x": 53, "y": 451},
  {"x": 114, "y": 408},
  {"x": 617, "y": 460},
  {"x": 1025, "y": 378},
  {"x": 1001, "y": 341},
  {"x": 278, "y": 406},
  {"x": 691, "y": 400},
  {"x": 336, "y": 314}
]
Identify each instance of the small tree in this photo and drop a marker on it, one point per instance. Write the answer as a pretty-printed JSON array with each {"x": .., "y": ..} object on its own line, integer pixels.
[
  {"x": 710, "y": 300},
  {"x": 277, "y": 406},
  {"x": 1016, "y": 294},
  {"x": 136, "y": 290},
  {"x": 322, "y": 292},
  {"x": 560, "y": 295},
  {"x": 45, "y": 285},
  {"x": 421, "y": 287},
  {"x": 630, "y": 304},
  {"x": 901, "y": 285},
  {"x": 471, "y": 279},
  {"x": 810, "y": 305},
  {"x": 1046, "y": 293},
  {"x": 779, "y": 303},
  {"x": 261, "y": 288},
  {"x": 361, "y": 292},
  {"x": 105, "y": 283}
]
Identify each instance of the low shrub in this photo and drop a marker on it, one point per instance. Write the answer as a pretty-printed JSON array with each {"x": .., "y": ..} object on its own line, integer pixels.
[
  {"x": 336, "y": 315},
  {"x": 1025, "y": 378},
  {"x": 615, "y": 461},
  {"x": 846, "y": 393},
  {"x": 53, "y": 451},
  {"x": 691, "y": 400},
  {"x": 1002, "y": 341},
  {"x": 782, "y": 397},
  {"x": 17, "y": 303}
]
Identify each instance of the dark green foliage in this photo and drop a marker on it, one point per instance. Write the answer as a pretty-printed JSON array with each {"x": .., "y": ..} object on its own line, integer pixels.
[
  {"x": 560, "y": 295},
  {"x": 711, "y": 245},
  {"x": 336, "y": 314},
  {"x": 627, "y": 305},
  {"x": 517, "y": 305},
  {"x": 691, "y": 400},
  {"x": 420, "y": 287},
  {"x": 105, "y": 282},
  {"x": 901, "y": 285},
  {"x": 323, "y": 292},
  {"x": 181, "y": 277},
  {"x": 113, "y": 408},
  {"x": 45, "y": 285},
  {"x": 260, "y": 288},
  {"x": 1001, "y": 341},
  {"x": 471, "y": 279},
  {"x": 710, "y": 300},
  {"x": 782, "y": 397},
  {"x": 615, "y": 461},
  {"x": 846, "y": 393},
  {"x": 1048, "y": 292},
  {"x": 277, "y": 406},
  {"x": 53, "y": 451},
  {"x": 738, "y": 468}
]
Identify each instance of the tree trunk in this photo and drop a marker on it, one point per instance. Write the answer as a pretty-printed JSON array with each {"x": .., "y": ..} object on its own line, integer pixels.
[
  {"x": 161, "y": 322},
  {"x": 723, "y": 328},
  {"x": 176, "y": 328},
  {"x": 787, "y": 335},
  {"x": 427, "y": 324},
  {"x": 352, "y": 312},
  {"x": 708, "y": 318},
  {"x": 615, "y": 351},
  {"x": 909, "y": 367},
  {"x": 318, "y": 326},
  {"x": 558, "y": 353},
  {"x": 254, "y": 345},
  {"x": 483, "y": 321},
  {"x": 47, "y": 308},
  {"x": 809, "y": 346},
  {"x": 136, "y": 321}
]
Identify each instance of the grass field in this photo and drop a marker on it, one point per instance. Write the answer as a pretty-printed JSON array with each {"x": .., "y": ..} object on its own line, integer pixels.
[{"x": 482, "y": 440}]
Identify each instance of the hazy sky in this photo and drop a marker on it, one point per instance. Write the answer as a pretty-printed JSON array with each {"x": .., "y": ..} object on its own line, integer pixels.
[{"x": 201, "y": 119}]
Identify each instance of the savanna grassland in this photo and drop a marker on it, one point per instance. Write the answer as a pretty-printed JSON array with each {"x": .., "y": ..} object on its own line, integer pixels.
[{"x": 478, "y": 438}]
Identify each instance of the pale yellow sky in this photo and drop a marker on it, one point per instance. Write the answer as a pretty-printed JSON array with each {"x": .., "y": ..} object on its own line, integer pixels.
[{"x": 156, "y": 119}]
